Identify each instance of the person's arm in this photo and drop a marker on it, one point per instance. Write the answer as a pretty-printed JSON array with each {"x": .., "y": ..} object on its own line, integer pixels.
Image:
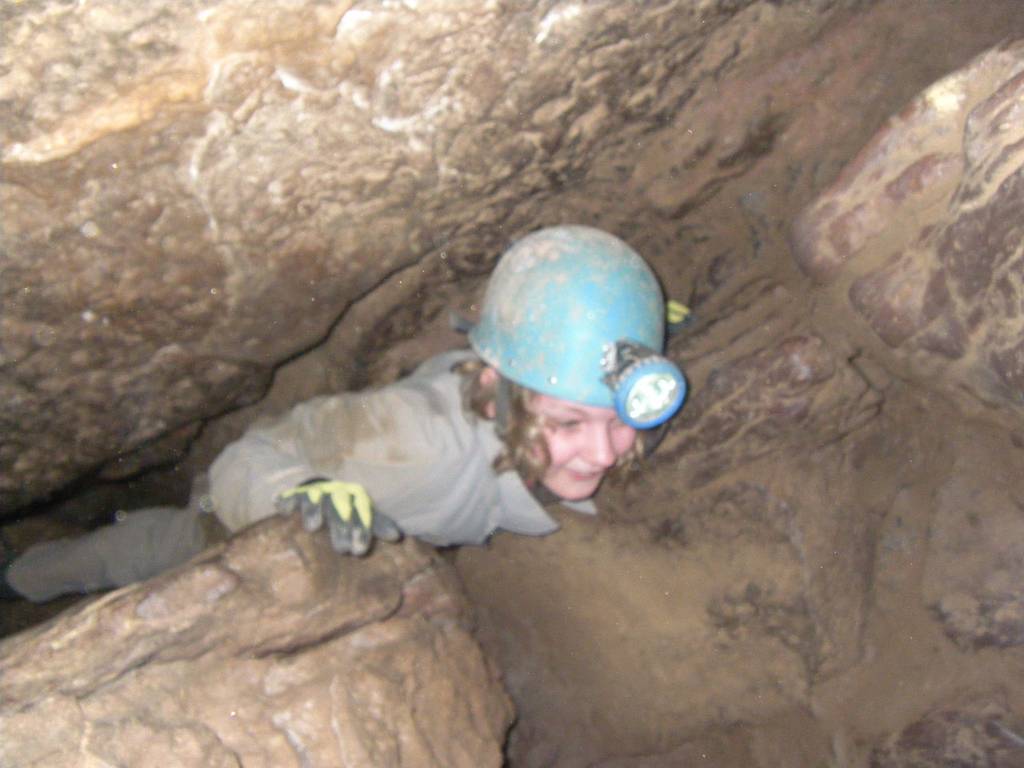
[
  {"x": 248, "y": 475},
  {"x": 336, "y": 458}
]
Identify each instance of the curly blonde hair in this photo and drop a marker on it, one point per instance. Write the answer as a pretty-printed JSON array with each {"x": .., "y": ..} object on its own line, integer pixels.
[{"x": 523, "y": 431}]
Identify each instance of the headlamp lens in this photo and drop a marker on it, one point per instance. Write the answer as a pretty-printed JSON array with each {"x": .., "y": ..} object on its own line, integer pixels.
[
  {"x": 649, "y": 391},
  {"x": 651, "y": 396}
]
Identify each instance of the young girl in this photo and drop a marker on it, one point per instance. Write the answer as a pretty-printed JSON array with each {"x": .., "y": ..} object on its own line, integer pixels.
[{"x": 565, "y": 367}]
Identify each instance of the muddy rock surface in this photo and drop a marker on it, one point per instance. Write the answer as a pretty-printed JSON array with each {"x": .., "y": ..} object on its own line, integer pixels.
[
  {"x": 974, "y": 577},
  {"x": 977, "y": 733},
  {"x": 318, "y": 660},
  {"x": 689, "y": 642},
  {"x": 920, "y": 245}
]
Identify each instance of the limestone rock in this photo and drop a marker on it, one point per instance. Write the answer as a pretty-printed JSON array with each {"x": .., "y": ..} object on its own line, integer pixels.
[
  {"x": 268, "y": 651},
  {"x": 920, "y": 242},
  {"x": 974, "y": 575},
  {"x": 982, "y": 734},
  {"x": 787, "y": 394}
]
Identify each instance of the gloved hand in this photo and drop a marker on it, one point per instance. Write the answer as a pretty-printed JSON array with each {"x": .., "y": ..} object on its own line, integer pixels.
[
  {"x": 677, "y": 316},
  {"x": 351, "y": 521}
]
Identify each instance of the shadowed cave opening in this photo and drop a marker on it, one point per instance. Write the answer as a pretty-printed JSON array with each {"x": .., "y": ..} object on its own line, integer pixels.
[{"x": 820, "y": 566}]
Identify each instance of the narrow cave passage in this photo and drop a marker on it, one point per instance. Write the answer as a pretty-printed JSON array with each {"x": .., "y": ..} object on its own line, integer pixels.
[{"x": 211, "y": 214}]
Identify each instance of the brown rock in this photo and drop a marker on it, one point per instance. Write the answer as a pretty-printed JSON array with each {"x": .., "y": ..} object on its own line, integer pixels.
[
  {"x": 269, "y": 651},
  {"x": 749, "y": 407},
  {"x": 921, "y": 237},
  {"x": 189, "y": 198},
  {"x": 974, "y": 574},
  {"x": 980, "y": 734}
]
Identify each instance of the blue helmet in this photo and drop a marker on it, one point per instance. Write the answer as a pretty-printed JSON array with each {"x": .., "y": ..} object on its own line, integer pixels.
[{"x": 575, "y": 313}]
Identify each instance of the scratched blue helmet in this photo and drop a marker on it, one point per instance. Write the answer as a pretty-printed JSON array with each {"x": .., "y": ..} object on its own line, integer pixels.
[{"x": 575, "y": 313}]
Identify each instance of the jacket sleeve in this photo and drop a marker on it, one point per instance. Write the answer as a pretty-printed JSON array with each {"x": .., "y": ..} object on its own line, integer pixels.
[
  {"x": 390, "y": 440},
  {"x": 247, "y": 476}
]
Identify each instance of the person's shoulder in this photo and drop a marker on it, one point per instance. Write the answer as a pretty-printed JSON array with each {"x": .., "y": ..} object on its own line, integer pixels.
[
  {"x": 440, "y": 385},
  {"x": 442, "y": 364},
  {"x": 430, "y": 403}
]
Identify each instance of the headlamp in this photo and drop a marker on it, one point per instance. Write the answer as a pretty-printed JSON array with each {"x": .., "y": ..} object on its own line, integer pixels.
[{"x": 648, "y": 388}]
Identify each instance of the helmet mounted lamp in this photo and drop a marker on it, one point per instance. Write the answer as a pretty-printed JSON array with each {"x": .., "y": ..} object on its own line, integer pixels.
[{"x": 648, "y": 389}]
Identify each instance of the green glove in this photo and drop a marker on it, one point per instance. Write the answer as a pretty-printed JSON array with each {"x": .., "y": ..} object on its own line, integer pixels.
[
  {"x": 677, "y": 315},
  {"x": 351, "y": 521}
]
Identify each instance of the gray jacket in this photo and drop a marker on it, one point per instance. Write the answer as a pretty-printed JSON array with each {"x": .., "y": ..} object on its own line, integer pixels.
[{"x": 425, "y": 462}]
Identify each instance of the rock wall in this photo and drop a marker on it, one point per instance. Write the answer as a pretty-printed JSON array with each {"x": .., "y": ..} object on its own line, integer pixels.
[
  {"x": 269, "y": 651},
  {"x": 920, "y": 242},
  {"x": 979, "y": 732}
]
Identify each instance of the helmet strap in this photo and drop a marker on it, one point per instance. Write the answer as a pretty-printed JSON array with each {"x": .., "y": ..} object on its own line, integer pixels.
[
  {"x": 502, "y": 405},
  {"x": 651, "y": 438}
]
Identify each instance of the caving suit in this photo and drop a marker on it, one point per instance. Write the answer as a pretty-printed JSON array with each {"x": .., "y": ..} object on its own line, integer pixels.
[{"x": 424, "y": 461}]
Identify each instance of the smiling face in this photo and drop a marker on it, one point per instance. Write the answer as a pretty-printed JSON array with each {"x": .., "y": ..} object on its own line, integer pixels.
[{"x": 584, "y": 442}]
